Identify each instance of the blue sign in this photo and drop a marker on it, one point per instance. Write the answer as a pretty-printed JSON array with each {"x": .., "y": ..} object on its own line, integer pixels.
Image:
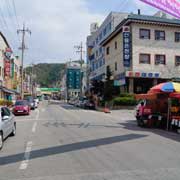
[{"x": 127, "y": 49}]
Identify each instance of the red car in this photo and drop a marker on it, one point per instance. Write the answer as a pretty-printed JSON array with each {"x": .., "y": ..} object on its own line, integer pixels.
[{"x": 21, "y": 107}]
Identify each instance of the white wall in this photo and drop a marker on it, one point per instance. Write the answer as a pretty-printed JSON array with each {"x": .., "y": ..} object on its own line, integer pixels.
[{"x": 169, "y": 47}]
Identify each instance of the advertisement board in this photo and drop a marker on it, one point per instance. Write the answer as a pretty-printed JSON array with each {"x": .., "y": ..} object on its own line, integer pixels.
[
  {"x": 169, "y": 6},
  {"x": 7, "y": 68},
  {"x": 8, "y": 63}
]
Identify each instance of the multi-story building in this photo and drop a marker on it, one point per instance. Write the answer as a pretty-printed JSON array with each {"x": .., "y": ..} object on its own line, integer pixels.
[
  {"x": 143, "y": 51},
  {"x": 95, "y": 55},
  {"x": 7, "y": 70},
  {"x": 74, "y": 80}
]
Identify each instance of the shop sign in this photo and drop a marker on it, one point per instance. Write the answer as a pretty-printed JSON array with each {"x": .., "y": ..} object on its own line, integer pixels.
[
  {"x": 169, "y": 6},
  {"x": 12, "y": 69},
  {"x": 127, "y": 46},
  {"x": 8, "y": 53},
  {"x": 142, "y": 74},
  {"x": 119, "y": 76},
  {"x": 7, "y": 68},
  {"x": 120, "y": 82}
]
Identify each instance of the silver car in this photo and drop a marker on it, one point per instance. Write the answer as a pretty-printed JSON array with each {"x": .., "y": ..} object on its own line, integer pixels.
[{"x": 7, "y": 124}]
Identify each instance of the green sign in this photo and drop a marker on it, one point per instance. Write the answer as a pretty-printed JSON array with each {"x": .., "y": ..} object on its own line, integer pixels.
[
  {"x": 73, "y": 78},
  {"x": 50, "y": 89}
]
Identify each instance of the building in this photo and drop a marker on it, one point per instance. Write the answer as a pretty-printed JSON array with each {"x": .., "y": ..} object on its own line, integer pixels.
[
  {"x": 143, "y": 51},
  {"x": 74, "y": 81},
  {"x": 7, "y": 70},
  {"x": 95, "y": 51}
]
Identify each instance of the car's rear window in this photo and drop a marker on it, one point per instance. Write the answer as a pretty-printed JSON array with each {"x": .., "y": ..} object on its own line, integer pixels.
[{"x": 20, "y": 103}]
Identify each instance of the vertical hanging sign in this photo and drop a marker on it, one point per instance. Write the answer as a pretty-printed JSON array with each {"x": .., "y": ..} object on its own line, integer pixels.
[
  {"x": 127, "y": 46},
  {"x": 7, "y": 62}
]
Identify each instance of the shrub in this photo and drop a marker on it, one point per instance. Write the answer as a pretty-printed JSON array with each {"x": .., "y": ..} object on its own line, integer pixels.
[
  {"x": 127, "y": 95},
  {"x": 124, "y": 101},
  {"x": 4, "y": 102}
]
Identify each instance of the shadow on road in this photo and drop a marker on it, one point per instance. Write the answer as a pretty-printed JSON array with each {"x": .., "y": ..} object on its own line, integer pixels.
[
  {"x": 69, "y": 107},
  {"x": 69, "y": 148},
  {"x": 79, "y": 125},
  {"x": 132, "y": 125}
]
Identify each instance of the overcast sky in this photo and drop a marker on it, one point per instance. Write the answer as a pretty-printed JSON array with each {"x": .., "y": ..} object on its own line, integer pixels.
[{"x": 57, "y": 25}]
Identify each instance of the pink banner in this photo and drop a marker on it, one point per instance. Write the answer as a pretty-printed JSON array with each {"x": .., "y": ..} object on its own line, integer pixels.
[{"x": 169, "y": 6}]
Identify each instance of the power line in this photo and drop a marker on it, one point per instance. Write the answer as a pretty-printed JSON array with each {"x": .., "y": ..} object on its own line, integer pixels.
[
  {"x": 10, "y": 14},
  {"x": 15, "y": 12}
]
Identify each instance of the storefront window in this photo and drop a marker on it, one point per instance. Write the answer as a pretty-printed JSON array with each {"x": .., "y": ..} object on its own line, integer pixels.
[
  {"x": 144, "y": 58},
  {"x": 160, "y": 59}
]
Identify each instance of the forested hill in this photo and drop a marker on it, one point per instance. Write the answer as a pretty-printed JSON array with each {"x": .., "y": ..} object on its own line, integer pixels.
[{"x": 47, "y": 74}]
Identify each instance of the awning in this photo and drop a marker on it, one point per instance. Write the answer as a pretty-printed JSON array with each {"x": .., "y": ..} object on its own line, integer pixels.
[{"x": 9, "y": 91}]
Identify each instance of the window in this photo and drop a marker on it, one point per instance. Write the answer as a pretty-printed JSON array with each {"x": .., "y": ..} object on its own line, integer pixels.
[
  {"x": 159, "y": 35},
  {"x": 115, "y": 66},
  {"x": 177, "y": 36},
  {"x": 115, "y": 45},
  {"x": 144, "y": 58},
  {"x": 107, "y": 50},
  {"x": 104, "y": 32},
  {"x": 177, "y": 61},
  {"x": 160, "y": 59},
  {"x": 97, "y": 40},
  {"x": 144, "y": 34},
  {"x": 109, "y": 26},
  {"x": 103, "y": 61},
  {"x": 96, "y": 54},
  {"x": 5, "y": 112},
  {"x": 100, "y": 50},
  {"x": 100, "y": 36}
]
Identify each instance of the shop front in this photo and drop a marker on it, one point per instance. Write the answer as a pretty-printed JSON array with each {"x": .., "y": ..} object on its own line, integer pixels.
[{"x": 141, "y": 82}]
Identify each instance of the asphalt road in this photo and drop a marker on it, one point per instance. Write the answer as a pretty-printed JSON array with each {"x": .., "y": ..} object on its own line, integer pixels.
[{"x": 60, "y": 142}]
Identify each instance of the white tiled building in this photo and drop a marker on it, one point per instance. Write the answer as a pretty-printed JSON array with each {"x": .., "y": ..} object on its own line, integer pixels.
[{"x": 95, "y": 55}]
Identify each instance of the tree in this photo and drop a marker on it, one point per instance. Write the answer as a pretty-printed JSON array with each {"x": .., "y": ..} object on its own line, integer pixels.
[{"x": 108, "y": 86}]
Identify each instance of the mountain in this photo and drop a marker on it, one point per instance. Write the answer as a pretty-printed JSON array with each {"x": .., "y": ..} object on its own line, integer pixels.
[{"x": 46, "y": 74}]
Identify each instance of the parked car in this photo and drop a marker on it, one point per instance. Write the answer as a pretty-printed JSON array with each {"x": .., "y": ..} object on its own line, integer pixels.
[
  {"x": 31, "y": 102},
  {"x": 37, "y": 100},
  {"x": 7, "y": 125},
  {"x": 35, "y": 103},
  {"x": 89, "y": 105},
  {"x": 21, "y": 107}
]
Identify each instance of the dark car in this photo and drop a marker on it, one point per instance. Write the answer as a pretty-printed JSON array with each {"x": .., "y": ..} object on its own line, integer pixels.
[
  {"x": 21, "y": 107},
  {"x": 89, "y": 104},
  {"x": 31, "y": 102}
]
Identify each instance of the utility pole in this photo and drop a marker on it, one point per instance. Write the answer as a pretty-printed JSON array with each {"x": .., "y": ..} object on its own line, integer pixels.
[
  {"x": 80, "y": 50},
  {"x": 32, "y": 79},
  {"x": 22, "y": 48}
]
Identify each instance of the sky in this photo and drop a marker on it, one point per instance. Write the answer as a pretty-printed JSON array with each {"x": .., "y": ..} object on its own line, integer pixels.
[{"x": 57, "y": 25}]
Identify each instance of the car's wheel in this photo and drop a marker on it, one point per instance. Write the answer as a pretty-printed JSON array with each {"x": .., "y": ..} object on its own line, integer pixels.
[
  {"x": 1, "y": 140},
  {"x": 14, "y": 130}
]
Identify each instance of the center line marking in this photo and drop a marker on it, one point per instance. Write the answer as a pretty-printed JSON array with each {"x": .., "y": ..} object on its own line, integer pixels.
[
  {"x": 34, "y": 127},
  {"x": 37, "y": 115},
  {"x": 24, "y": 163}
]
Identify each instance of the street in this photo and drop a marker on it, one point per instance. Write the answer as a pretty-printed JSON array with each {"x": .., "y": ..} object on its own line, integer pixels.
[{"x": 61, "y": 142}]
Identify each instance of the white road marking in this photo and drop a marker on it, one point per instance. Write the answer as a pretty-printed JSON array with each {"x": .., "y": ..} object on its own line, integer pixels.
[
  {"x": 34, "y": 127},
  {"x": 24, "y": 163},
  {"x": 37, "y": 115}
]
